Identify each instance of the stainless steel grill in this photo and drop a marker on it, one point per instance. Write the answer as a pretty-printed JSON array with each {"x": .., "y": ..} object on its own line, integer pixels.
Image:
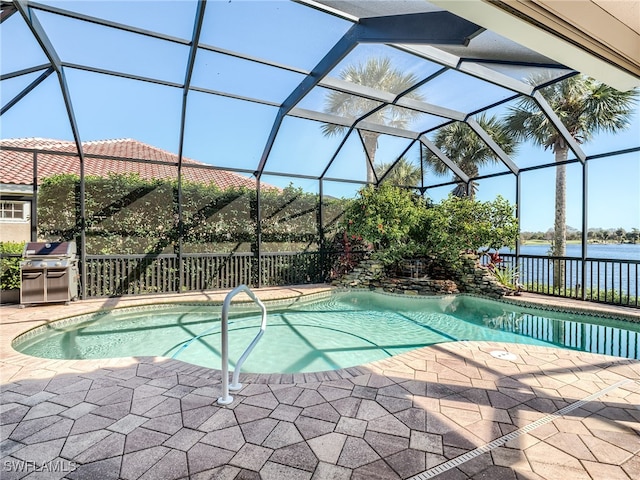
[{"x": 49, "y": 273}]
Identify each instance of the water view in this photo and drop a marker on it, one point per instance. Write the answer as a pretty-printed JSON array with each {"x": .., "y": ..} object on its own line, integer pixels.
[
  {"x": 625, "y": 251},
  {"x": 611, "y": 268}
]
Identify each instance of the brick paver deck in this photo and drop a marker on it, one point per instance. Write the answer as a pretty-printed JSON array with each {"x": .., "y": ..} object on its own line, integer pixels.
[{"x": 449, "y": 411}]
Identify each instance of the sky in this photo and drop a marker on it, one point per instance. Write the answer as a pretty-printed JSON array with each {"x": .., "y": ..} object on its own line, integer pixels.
[{"x": 232, "y": 133}]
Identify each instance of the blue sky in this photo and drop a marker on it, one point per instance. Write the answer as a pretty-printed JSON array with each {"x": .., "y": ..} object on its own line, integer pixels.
[{"x": 233, "y": 133}]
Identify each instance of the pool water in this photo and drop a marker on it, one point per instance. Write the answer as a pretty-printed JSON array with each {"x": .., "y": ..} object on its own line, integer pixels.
[{"x": 338, "y": 331}]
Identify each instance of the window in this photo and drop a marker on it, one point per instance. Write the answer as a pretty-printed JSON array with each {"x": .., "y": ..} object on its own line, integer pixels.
[{"x": 16, "y": 211}]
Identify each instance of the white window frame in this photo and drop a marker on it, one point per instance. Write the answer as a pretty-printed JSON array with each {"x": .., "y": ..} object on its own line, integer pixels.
[{"x": 13, "y": 203}]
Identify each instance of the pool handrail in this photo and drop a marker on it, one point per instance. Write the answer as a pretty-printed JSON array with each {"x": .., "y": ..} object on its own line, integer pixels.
[{"x": 226, "y": 399}]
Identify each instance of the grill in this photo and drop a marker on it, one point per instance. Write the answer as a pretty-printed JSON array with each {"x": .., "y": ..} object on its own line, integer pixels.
[{"x": 49, "y": 273}]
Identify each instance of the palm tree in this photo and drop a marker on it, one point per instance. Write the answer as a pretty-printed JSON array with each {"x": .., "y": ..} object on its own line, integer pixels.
[
  {"x": 403, "y": 174},
  {"x": 377, "y": 73},
  {"x": 585, "y": 107},
  {"x": 467, "y": 150}
]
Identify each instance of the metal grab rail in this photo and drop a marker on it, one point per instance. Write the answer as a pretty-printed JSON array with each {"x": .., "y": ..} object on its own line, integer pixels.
[{"x": 226, "y": 399}]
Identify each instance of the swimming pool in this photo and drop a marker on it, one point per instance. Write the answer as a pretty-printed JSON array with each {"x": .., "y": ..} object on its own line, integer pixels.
[{"x": 334, "y": 331}]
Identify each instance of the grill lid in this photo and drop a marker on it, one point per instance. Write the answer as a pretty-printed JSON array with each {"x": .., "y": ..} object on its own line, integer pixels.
[{"x": 50, "y": 249}]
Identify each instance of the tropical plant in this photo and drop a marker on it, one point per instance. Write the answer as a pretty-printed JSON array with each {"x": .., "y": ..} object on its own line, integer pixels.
[
  {"x": 585, "y": 107},
  {"x": 350, "y": 250},
  {"x": 468, "y": 151},
  {"x": 379, "y": 74},
  {"x": 403, "y": 173},
  {"x": 507, "y": 275}
]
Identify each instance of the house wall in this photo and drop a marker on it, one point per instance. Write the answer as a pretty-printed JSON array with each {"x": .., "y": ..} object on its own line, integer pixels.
[{"x": 15, "y": 231}]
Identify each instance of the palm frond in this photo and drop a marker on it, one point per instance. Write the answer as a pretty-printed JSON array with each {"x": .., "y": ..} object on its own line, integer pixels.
[
  {"x": 380, "y": 74},
  {"x": 584, "y": 106},
  {"x": 466, "y": 149},
  {"x": 403, "y": 173}
]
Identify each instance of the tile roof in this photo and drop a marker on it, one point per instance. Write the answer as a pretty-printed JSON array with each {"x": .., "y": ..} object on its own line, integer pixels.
[{"x": 16, "y": 167}]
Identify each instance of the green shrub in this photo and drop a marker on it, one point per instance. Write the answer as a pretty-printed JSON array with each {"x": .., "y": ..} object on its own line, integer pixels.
[
  {"x": 10, "y": 266},
  {"x": 457, "y": 224},
  {"x": 384, "y": 216},
  {"x": 400, "y": 224}
]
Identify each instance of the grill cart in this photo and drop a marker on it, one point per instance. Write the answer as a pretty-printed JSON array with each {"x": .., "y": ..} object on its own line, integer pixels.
[{"x": 49, "y": 273}]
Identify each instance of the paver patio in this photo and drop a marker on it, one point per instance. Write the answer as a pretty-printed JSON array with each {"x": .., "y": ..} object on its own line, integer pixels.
[{"x": 446, "y": 411}]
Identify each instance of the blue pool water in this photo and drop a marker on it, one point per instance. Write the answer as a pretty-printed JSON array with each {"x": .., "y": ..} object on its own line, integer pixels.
[{"x": 338, "y": 331}]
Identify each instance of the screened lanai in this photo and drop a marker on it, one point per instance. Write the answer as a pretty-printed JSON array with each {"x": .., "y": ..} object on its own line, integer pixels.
[{"x": 296, "y": 106}]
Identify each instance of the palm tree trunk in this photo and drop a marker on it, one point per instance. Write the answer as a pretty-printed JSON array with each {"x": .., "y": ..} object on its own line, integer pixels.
[
  {"x": 371, "y": 144},
  {"x": 559, "y": 246}
]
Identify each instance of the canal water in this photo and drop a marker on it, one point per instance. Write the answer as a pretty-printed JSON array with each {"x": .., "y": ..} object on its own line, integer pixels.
[{"x": 618, "y": 276}]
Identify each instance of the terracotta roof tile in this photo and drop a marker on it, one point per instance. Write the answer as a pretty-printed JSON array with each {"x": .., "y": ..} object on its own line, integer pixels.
[{"x": 16, "y": 167}]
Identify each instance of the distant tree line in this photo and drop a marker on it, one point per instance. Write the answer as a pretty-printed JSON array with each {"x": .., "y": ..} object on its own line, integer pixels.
[{"x": 594, "y": 235}]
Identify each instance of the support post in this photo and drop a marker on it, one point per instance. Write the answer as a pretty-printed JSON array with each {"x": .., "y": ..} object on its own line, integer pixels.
[
  {"x": 83, "y": 232},
  {"x": 180, "y": 227},
  {"x": 34, "y": 201},
  {"x": 257, "y": 249},
  {"x": 518, "y": 200},
  {"x": 585, "y": 226},
  {"x": 322, "y": 261},
  {"x": 518, "y": 280}
]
